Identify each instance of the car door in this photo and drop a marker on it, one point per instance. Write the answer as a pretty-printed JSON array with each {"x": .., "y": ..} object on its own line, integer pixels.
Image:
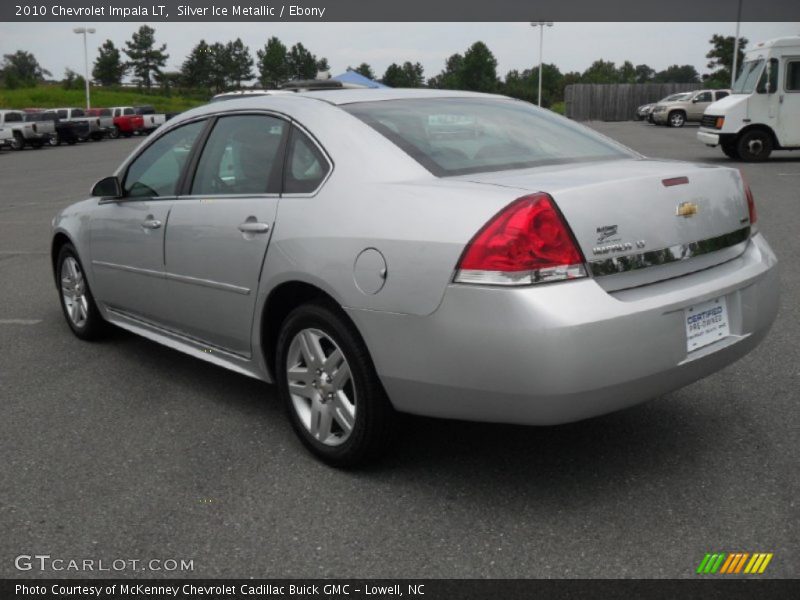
[
  {"x": 219, "y": 232},
  {"x": 698, "y": 105},
  {"x": 789, "y": 107},
  {"x": 127, "y": 234}
]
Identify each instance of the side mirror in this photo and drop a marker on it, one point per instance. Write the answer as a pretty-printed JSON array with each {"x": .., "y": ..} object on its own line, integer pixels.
[
  {"x": 695, "y": 100},
  {"x": 109, "y": 187}
]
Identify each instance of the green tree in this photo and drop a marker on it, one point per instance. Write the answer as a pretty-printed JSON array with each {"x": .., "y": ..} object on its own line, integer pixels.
[
  {"x": 479, "y": 69},
  {"x": 721, "y": 58},
  {"x": 677, "y": 74},
  {"x": 626, "y": 73},
  {"x": 21, "y": 69},
  {"x": 450, "y": 77},
  {"x": 365, "y": 70},
  {"x": 218, "y": 74},
  {"x": 525, "y": 85},
  {"x": 273, "y": 65},
  {"x": 196, "y": 69},
  {"x": 144, "y": 58},
  {"x": 409, "y": 75},
  {"x": 72, "y": 81},
  {"x": 109, "y": 69},
  {"x": 600, "y": 71},
  {"x": 322, "y": 65},
  {"x": 238, "y": 63},
  {"x": 302, "y": 64},
  {"x": 644, "y": 74}
]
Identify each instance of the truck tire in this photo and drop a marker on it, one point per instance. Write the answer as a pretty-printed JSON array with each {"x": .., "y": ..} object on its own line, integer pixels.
[
  {"x": 677, "y": 118},
  {"x": 55, "y": 140},
  {"x": 730, "y": 151},
  {"x": 114, "y": 133},
  {"x": 18, "y": 143},
  {"x": 754, "y": 145}
]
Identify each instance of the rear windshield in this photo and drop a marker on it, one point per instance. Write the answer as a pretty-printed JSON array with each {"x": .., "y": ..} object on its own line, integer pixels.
[{"x": 456, "y": 136}]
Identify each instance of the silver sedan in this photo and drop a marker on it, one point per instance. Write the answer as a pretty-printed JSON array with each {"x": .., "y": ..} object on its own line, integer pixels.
[{"x": 439, "y": 253}]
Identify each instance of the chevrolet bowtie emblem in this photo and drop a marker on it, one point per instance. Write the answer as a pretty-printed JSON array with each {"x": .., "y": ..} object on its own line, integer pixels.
[{"x": 686, "y": 209}]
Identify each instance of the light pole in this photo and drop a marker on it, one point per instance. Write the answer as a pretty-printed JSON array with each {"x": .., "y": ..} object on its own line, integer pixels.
[
  {"x": 542, "y": 25},
  {"x": 84, "y": 31},
  {"x": 736, "y": 45}
]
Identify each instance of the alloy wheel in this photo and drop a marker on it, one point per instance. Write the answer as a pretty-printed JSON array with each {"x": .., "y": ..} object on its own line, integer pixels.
[
  {"x": 321, "y": 387},
  {"x": 73, "y": 292}
]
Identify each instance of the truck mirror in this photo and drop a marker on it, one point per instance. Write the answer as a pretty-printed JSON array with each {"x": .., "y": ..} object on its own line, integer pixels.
[{"x": 108, "y": 187}]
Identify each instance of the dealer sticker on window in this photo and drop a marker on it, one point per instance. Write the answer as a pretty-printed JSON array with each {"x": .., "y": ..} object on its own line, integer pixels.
[{"x": 706, "y": 323}]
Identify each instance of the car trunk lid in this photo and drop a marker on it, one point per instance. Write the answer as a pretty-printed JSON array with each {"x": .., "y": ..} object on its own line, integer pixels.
[{"x": 641, "y": 221}]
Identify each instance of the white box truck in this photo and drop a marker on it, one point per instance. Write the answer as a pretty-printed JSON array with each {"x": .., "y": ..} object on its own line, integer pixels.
[{"x": 762, "y": 113}]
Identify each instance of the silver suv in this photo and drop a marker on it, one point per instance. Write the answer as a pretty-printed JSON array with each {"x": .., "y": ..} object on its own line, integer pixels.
[{"x": 688, "y": 108}]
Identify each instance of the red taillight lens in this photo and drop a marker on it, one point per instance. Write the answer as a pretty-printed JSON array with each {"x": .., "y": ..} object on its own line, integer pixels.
[
  {"x": 751, "y": 203},
  {"x": 527, "y": 242}
]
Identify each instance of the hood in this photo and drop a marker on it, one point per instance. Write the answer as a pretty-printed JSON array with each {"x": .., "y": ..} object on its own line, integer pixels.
[{"x": 727, "y": 103}]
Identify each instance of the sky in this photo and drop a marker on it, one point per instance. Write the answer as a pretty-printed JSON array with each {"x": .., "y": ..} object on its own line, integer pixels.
[{"x": 571, "y": 46}]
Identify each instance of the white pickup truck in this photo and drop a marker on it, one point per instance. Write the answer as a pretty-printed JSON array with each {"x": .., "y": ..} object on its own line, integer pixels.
[
  {"x": 6, "y": 135},
  {"x": 152, "y": 119},
  {"x": 77, "y": 115},
  {"x": 23, "y": 134}
]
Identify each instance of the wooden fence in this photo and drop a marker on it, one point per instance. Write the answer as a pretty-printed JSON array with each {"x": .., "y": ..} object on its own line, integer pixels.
[{"x": 616, "y": 101}]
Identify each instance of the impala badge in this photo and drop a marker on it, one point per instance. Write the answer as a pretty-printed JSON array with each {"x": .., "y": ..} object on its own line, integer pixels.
[{"x": 686, "y": 209}]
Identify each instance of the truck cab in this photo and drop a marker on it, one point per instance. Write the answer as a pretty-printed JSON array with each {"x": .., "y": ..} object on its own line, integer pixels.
[{"x": 762, "y": 113}]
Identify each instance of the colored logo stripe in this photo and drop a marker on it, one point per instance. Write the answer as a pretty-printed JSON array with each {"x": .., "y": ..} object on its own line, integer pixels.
[{"x": 734, "y": 562}]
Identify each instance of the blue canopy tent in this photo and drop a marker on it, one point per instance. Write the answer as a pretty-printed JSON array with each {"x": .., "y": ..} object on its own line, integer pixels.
[{"x": 358, "y": 79}]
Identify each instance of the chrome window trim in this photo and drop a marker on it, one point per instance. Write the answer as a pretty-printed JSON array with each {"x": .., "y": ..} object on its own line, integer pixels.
[{"x": 680, "y": 252}]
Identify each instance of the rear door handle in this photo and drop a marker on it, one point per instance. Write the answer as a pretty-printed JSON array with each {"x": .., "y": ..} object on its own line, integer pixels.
[
  {"x": 151, "y": 223},
  {"x": 253, "y": 227}
]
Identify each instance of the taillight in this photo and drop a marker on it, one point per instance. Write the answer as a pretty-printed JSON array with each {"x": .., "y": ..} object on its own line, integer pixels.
[
  {"x": 751, "y": 203},
  {"x": 526, "y": 242}
]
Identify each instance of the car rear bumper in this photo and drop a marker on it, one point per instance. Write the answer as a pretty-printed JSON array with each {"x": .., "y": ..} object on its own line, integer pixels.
[
  {"x": 562, "y": 352},
  {"x": 708, "y": 138}
]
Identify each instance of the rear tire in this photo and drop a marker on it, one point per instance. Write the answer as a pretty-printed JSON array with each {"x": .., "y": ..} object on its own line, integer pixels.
[
  {"x": 336, "y": 403},
  {"x": 114, "y": 133},
  {"x": 77, "y": 302},
  {"x": 677, "y": 118},
  {"x": 54, "y": 140},
  {"x": 754, "y": 146}
]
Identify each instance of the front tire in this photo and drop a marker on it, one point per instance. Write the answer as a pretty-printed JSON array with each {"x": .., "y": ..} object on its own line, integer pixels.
[
  {"x": 677, "y": 118},
  {"x": 754, "y": 146},
  {"x": 114, "y": 133},
  {"x": 77, "y": 302},
  {"x": 18, "y": 143},
  {"x": 55, "y": 140},
  {"x": 328, "y": 384},
  {"x": 730, "y": 151}
]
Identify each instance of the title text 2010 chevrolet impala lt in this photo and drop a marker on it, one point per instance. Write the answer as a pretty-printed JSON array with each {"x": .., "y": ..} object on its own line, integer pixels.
[{"x": 439, "y": 253}]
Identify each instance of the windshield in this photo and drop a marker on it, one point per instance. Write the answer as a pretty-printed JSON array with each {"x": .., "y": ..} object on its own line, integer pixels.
[
  {"x": 455, "y": 136},
  {"x": 746, "y": 82}
]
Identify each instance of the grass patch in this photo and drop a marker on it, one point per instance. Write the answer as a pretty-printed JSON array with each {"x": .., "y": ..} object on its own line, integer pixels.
[
  {"x": 558, "y": 107},
  {"x": 53, "y": 96}
]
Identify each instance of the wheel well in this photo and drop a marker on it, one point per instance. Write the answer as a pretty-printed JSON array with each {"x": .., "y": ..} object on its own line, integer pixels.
[
  {"x": 281, "y": 301},
  {"x": 676, "y": 110},
  {"x": 759, "y": 127},
  {"x": 58, "y": 241}
]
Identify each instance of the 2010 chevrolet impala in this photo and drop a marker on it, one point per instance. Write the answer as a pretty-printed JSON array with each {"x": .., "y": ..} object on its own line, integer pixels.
[{"x": 439, "y": 253}]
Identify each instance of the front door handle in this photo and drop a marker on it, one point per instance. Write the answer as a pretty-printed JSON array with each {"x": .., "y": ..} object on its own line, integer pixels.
[
  {"x": 253, "y": 227},
  {"x": 151, "y": 223}
]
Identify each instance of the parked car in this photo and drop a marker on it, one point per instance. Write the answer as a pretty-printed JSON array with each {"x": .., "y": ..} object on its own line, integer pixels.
[
  {"x": 526, "y": 270},
  {"x": 762, "y": 113},
  {"x": 645, "y": 111},
  {"x": 152, "y": 119},
  {"x": 676, "y": 113},
  {"x": 62, "y": 131},
  {"x": 126, "y": 121},
  {"x": 105, "y": 121},
  {"x": 6, "y": 137},
  {"x": 78, "y": 115},
  {"x": 43, "y": 126},
  {"x": 23, "y": 133}
]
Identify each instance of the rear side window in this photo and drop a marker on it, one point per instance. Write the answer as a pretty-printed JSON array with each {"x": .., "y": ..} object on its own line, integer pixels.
[
  {"x": 13, "y": 118},
  {"x": 793, "y": 76},
  {"x": 704, "y": 97},
  {"x": 306, "y": 166},
  {"x": 127, "y": 111},
  {"x": 721, "y": 95},
  {"x": 242, "y": 156},
  {"x": 457, "y": 136},
  {"x": 156, "y": 171},
  {"x": 62, "y": 114}
]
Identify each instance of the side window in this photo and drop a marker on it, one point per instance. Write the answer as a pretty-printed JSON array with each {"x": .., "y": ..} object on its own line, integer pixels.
[
  {"x": 721, "y": 95},
  {"x": 13, "y": 117},
  {"x": 771, "y": 71},
  {"x": 703, "y": 97},
  {"x": 793, "y": 76},
  {"x": 306, "y": 167},
  {"x": 242, "y": 156},
  {"x": 127, "y": 111},
  {"x": 62, "y": 114},
  {"x": 157, "y": 170}
]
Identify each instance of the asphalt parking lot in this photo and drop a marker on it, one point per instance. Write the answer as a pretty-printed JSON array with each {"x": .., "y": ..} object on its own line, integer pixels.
[{"x": 124, "y": 449}]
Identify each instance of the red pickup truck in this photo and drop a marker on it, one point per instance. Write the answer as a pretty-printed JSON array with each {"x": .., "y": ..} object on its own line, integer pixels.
[{"x": 126, "y": 122}]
